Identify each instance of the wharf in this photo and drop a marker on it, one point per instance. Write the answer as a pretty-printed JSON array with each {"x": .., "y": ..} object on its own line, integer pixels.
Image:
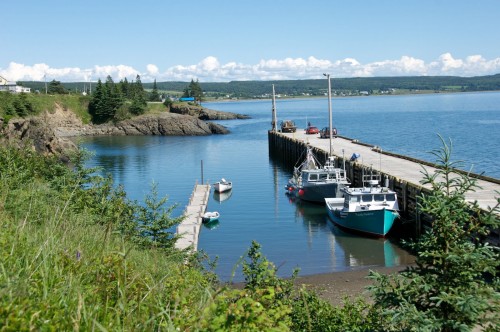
[
  {"x": 404, "y": 173},
  {"x": 189, "y": 229}
]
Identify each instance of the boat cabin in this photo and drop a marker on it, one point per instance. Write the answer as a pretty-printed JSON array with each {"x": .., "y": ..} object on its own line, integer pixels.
[
  {"x": 370, "y": 197},
  {"x": 322, "y": 175}
]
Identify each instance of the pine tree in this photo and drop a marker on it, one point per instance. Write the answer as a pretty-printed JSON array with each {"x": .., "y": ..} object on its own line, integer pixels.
[
  {"x": 139, "y": 103},
  {"x": 96, "y": 104},
  {"x": 196, "y": 91},
  {"x": 154, "y": 96},
  {"x": 448, "y": 289}
]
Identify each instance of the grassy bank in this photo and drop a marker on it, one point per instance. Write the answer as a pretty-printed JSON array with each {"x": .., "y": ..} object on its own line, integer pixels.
[{"x": 72, "y": 257}]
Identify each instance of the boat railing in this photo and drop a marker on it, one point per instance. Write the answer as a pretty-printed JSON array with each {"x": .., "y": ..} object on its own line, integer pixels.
[{"x": 371, "y": 180}]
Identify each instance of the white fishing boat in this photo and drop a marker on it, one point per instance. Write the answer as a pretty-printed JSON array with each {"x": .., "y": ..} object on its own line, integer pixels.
[
  {"x": 370, "y": 209},
  {"x": 313, "y": 182},
  {"x": 223, "y": 185},
  {"x": 210, "y": 216}
]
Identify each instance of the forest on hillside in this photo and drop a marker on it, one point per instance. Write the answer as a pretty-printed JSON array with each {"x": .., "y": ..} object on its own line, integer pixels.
[{"x": 317, "y": 87}]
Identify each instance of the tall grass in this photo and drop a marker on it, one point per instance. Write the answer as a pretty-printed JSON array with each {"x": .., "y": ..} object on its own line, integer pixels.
[
  {"x": 62, "y": 269},
  {"x": 70, "y": 259}
]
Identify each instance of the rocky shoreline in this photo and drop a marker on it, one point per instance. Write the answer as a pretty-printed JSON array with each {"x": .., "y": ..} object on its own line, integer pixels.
[{"x": 51, "y": 133}]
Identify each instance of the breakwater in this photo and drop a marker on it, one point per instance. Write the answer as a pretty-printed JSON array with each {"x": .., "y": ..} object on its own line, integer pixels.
[{"x": 403, "y": 173}]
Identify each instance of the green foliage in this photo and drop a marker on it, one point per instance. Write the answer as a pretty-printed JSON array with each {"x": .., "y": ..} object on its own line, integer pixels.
[
  {"x": 154, "y": 223},
  {"x": 310, "y": 313},
  {"x": 55, "y": 87},
  {"x": 66, "y": 263},
  {"x": 269, "y": 303},
  {"x": 106, "y": 100},
  {"x": 154, "y": 95},
  {"x": 16, "y": 104},
  {"x": 449, "y": 288},
  {"x": 194, "y": 90}
]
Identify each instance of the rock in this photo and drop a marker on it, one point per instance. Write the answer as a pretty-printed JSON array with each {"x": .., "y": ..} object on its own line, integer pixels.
[
  {"x": 50, "y": 132},
  {"x": 203, "y": 113},
  {"x": 163, "y": 124}
]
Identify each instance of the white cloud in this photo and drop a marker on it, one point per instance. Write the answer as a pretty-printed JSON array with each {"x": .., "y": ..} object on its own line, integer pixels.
[
  {"x": 210, "y": 69},
  {"x": 152, "y": 69}
]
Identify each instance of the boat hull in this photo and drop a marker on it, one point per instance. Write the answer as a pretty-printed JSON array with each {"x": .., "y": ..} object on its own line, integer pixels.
[
  {"x": 317, "y": 192},
  {"x": 221, "y": 187},
  {"x": 374, "y": 222}
]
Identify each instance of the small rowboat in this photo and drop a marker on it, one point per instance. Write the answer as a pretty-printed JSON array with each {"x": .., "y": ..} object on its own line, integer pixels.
[
  {"x": 223, "y": 185},
  {"x": 210, "y": 216}
]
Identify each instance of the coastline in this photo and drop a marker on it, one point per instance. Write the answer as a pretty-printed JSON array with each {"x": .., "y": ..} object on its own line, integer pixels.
[{"x": 334, "y": 287}]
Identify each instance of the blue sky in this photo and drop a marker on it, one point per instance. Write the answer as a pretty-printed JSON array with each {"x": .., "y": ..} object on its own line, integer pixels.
[{"x": 225, "y": 40}]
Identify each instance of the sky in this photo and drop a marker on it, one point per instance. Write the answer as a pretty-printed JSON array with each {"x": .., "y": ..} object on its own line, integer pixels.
[{"x": 238, "y": 40}]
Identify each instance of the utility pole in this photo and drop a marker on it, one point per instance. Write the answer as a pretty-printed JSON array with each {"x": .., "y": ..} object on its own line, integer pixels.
[{"x": 329, "y": 109}]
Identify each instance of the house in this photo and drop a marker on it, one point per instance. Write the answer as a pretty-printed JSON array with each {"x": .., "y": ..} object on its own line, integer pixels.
[{"x": 12, "y": 86}]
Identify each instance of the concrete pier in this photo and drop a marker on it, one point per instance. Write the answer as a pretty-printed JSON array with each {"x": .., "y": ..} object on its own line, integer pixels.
[
  {"x": 189, "y": 228},
  {"x": 404, "y": 173}
]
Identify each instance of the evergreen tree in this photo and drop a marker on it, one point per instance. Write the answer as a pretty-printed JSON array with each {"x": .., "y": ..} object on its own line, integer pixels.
[
  {"x": 154, "y": 96},
  {"x": 448, "y": 289},
  {"x": 55, "y": 87},
  {"x": 125, "y": 88},
  {"x": 97, "y": 107},
  {"x": 139, "y": 103},
  {"x": 196, "y": 91}
]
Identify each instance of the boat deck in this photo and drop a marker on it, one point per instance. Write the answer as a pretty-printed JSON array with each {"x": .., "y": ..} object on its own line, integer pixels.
[
  {"x": 189, "y": 228},
  {"x": 402, "y": 167}
]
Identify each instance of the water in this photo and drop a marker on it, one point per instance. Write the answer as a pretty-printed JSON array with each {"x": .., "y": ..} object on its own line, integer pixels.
[{"x": 297, "y": 234}]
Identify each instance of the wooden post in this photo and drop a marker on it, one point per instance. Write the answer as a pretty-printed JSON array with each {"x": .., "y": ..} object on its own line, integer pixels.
[{"x": 201, "y": 171}]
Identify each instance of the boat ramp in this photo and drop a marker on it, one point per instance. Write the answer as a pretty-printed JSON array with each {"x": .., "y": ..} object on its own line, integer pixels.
[
  {"x": 403, "y": 173},
  {"x": 189, "y": 229}
]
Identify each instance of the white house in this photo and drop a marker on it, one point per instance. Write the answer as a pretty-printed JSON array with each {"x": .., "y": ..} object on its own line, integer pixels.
[{"x": 12, "y": 86}]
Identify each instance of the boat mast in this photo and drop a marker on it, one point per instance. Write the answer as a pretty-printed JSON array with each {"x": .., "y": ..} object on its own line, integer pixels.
[
  {"x": 329, "y": 109},
  {"x": 273, "y": 123}
]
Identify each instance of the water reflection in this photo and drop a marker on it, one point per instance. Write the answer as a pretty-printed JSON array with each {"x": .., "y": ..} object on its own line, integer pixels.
[
  {"x": 221, "y": 197},
  {"x": 211, "y": 225}
]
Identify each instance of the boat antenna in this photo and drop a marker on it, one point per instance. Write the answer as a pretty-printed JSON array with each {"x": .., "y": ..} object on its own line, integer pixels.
[
  {"x": 343, "y": 158},
  {"x": 329, "y": 109},
  {"x": 273, "y": 123}
]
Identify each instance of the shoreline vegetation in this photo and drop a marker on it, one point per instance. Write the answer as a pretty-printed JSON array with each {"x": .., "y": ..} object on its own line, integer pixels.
[{"x": 356, "y": 86}]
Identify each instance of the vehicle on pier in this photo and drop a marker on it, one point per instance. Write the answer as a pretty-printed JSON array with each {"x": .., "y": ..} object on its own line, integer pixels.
[
  {"x": 370, "y": 209},
  {"x": 311, "y": 130},
  {"x": 312, "y": 182},
  {"x": 325, "y": 132},
  {"x": 288, "y": 126}
]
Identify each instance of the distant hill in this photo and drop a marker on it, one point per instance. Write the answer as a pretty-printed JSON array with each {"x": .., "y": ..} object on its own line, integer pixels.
[{"x": 318, "y": 87}]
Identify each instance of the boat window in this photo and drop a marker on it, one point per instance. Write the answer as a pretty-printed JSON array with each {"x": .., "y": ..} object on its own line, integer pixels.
[
  {"x": 323, "y": 176},
  {"x": 366, "y": 198},
  {"x": 379, "y": 198},
  {"x": 313, "y": 177},
  {"x": 354, "y": 199},
  {"x": 390, "y": 197}
]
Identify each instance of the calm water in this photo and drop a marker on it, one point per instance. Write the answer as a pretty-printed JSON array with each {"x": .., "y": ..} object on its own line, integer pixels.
[{"x": 296, "y": 234}]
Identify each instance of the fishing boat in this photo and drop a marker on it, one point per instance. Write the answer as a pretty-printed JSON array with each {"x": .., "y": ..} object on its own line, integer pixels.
[
  {"x": 210, "y": 216},
  {"x": 370, "y": 209},
  {"x": 223, "y": 185},
  {"x": 313, "y": 182}
]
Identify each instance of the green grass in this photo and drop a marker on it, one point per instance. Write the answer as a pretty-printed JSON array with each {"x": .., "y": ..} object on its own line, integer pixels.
[{"x": 70, "y": 259}]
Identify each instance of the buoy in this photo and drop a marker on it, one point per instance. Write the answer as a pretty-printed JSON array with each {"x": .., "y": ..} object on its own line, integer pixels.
[{"x": 301, "y": 192}]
